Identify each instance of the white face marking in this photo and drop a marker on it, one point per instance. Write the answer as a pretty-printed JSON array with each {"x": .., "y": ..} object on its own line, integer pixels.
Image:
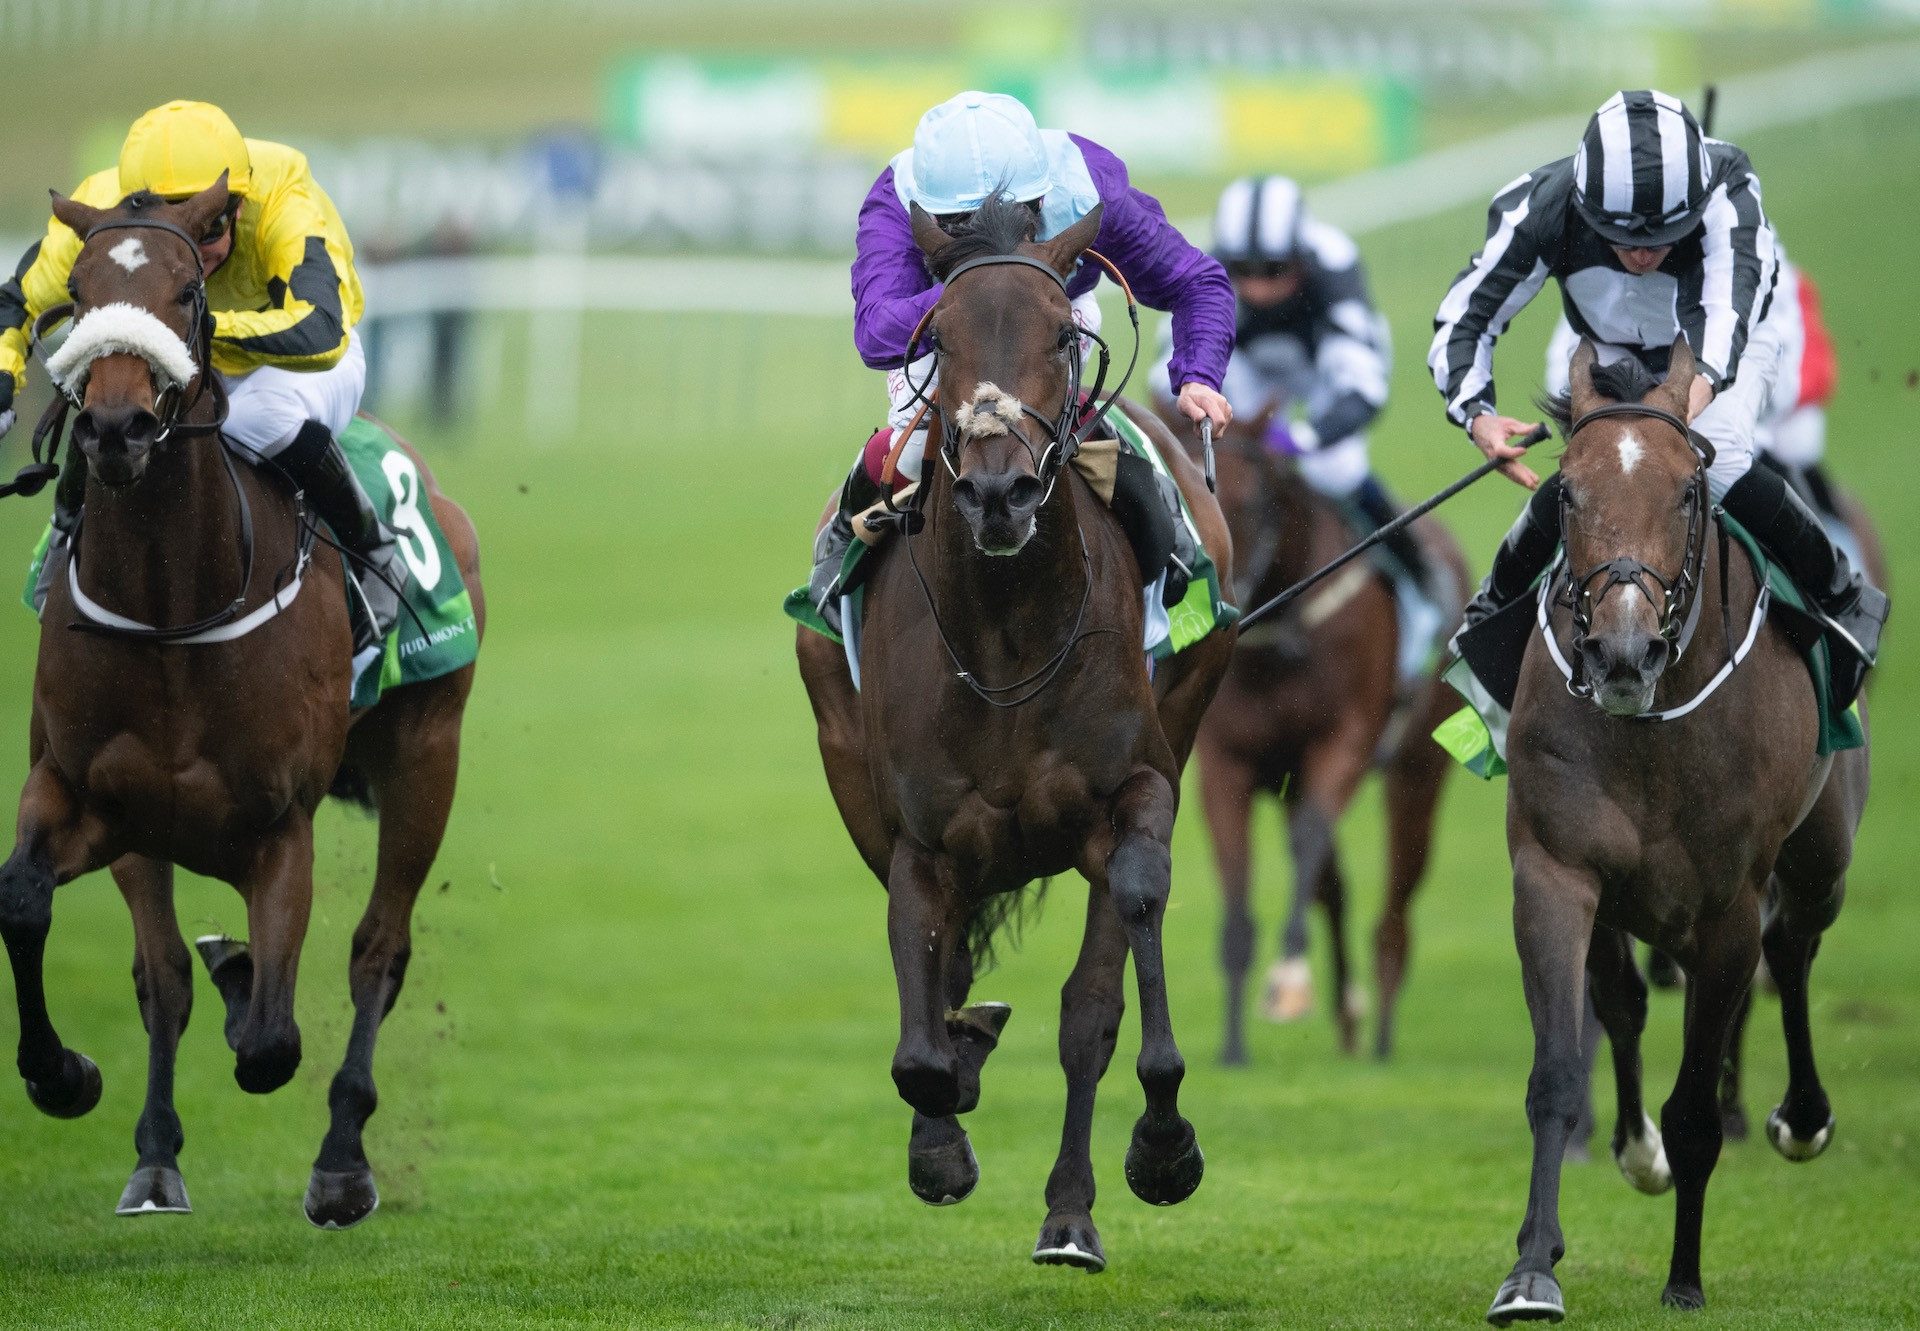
[
  {"x": 129, "y": 253},
  {"x": 1629, "y": 454}
]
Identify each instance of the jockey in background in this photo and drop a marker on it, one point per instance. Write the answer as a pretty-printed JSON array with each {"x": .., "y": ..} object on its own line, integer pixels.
[
  {"x": 284, "y": 298},
  {"x": 970, "y": 147},
  {"x": 1310, "y": 348}
]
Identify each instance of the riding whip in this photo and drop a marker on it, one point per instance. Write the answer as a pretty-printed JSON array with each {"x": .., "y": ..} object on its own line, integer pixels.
[{"x": 1293, "y": 593}]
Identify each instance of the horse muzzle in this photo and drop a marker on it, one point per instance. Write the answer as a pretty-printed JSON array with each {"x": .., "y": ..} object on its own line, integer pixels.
[
  {"x": 999, "y": 508},
  {"x": 117, "y": 441},
  {"x": 1624, "y": 669}
]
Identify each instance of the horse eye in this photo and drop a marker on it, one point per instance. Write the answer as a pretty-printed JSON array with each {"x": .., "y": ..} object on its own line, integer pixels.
[
  {"x": 1066, "y": 338},
  {"x": 186, "y": 294}
]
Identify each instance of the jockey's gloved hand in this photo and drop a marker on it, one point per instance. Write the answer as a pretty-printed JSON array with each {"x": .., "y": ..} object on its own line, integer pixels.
[{"x": 6, "y": 404}]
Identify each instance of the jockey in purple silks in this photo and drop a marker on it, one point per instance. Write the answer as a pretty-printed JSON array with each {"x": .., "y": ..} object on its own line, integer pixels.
[{"x": 970, "y": 147}]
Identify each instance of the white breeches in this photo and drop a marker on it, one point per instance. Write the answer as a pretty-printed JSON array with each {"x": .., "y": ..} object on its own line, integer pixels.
[
  {"x": 267, "y": 406},
  {"x": 907, "y": 385},
  {"x": 1730, "y": 421}
]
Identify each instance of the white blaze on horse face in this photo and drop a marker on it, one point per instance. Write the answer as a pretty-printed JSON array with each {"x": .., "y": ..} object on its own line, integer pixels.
[
  {"x": 130, "y": 254},
  {"x": 1630, "y": 451}
]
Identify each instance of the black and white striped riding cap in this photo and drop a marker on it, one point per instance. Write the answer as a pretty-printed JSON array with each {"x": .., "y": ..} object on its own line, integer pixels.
[{"x": 1640, "y": 174}]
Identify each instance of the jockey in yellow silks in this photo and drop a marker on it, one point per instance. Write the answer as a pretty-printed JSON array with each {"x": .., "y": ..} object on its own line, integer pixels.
[{"x": 284, "y": 297}]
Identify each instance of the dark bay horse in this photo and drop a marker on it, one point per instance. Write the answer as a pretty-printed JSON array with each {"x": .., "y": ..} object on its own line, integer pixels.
[
  {"x": 1007, "y": 728},
  {"x": 1620, "y": 824},
  {"x": 149, "y": 753},
  {"x": 1304, "y": 715}
]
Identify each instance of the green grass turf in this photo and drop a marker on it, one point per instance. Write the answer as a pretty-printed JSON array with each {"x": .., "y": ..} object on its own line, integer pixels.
[{"x": 639, "y": 1073}]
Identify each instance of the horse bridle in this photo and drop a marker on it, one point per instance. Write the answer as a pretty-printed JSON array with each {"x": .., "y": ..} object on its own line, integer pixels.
[
  {"x": 170, "y": 407},
  {"x": 1679, "y": 598},
  {"x": 1065, "y": 432}
]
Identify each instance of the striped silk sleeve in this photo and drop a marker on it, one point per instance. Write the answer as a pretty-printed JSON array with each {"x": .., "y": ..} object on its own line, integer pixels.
[
  {"x": 1353, "y": 355},
  {"x": 1495, "y": 285},
  {"x": 1739, "y": 265}
]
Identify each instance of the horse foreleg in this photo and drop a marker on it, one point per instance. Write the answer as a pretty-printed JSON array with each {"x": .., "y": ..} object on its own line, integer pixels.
[
  {"x": 1718, "y": 974},
  {"x": 1350, "y": 1000},
  {"x": 941, "y": 1168},
  {"x": 1413, "y": 785},
  {"x": 1226, "y": 797},
  {"x": 1091, "y": 1002},
  {"x": 925, "y": 921},
  {"x": 163, "y": 983},
  {"x": 1620, "y": 999},
  {"x": 1164, "y": 1163},
  {"x": 278, "y": 889},
  {"x": 1733, "y": 1110},
  {"x": 1330, "y": 772},
  {"x": 56, "y": 842},
  {"x": 411, "y": 762},
  {"x": 1553, "y": 911}
]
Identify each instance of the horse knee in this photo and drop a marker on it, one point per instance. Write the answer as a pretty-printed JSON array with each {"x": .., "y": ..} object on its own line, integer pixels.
[
  {"x": 26, "y": 895},
  {"x": 1140, "y": 876}
]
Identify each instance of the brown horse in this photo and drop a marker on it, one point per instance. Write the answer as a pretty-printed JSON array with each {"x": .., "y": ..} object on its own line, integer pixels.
[
  {"x": 1304, "y": 715},
  {"x": 1007, "y": 728},
  {"x": 1638, "y": 816},
  {"x": 149, "y": 753}
]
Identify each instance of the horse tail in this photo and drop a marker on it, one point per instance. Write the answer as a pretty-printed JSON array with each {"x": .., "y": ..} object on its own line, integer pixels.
[{"x": 1002, "y": 917}]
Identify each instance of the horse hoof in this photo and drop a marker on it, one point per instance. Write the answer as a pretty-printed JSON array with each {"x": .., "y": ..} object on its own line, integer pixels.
[
  {"x": 216, "y": 950},
  {"x": 1164, "y": 1171},
  {"x": 943, "y": 1175},
  {"x": 975, "y": 1032},
  {"x": 155, "y": 1190},
  {"x": 341, "y": 1199},
  {"x": 986, "y": 1019},
  {"x": 1070, "y": 1241},
  {"x": 1687, "y": 1298},
  {"x": 1527, "y": 1296},
  {"x": 1289, "y": 995},
  {"x": 75, "y": 1092},
  {"x": 1643, "y": 1160},
  {"x": 1792, "y": 1147}
]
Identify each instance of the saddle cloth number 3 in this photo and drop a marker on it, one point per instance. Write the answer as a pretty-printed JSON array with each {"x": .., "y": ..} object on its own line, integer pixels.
[{"x": 417, "y": 545}]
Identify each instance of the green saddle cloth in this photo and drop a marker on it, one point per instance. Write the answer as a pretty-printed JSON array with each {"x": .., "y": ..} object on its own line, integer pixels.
[
  {"x": 445, "y": 637},
  {"x": 1203, "y": 609},
  {"x": 1476, "y": 735}
]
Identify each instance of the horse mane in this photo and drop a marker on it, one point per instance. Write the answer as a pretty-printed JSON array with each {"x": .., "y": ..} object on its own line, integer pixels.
[
  {"x": 140, "y": 201},
  {"x": 1626, "y": 380},
  {"x": 1000, "y": 225}
]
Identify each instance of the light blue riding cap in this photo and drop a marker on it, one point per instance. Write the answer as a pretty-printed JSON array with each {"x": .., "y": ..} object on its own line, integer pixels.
[{"x": 975, "y": 143}]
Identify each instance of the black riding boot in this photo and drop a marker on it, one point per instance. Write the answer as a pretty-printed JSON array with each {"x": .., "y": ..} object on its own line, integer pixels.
[
  {"x": 858, "y": 493},
  {"x": 1765, "y": 505},
  {"x": 315, "y": 463},
  {"x": 68, "y": 494},
  {"x": 1523, "y": 555},
  {"x": 1375, "y": 508}
]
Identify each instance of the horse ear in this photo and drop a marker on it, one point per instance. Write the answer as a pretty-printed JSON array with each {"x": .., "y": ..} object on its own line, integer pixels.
[
  {"x": 927, "y": 232},
  {"x": 1064, "y": 250},
  {"x": 79, "y": 217},
  {"x": 1681, "y": 369},
  {"x": 1580, "y": 377},
  {"x": 198, "y": 212}
]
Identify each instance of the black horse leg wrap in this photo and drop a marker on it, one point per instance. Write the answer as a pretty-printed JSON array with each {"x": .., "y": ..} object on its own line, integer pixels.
[
  {"x": 1528, "y": 548},
  {"x": 317, "y": 465}
]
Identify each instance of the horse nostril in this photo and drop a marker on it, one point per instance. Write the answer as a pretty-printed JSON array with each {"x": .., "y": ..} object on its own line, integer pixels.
[
  {"x": 967, "y": 494},
  {"x": 1655, "y": 659},
  {"x": 141, "y": 429},
  {"x": 1024, "y": 495},
  {"x": 86, "y": 430}
]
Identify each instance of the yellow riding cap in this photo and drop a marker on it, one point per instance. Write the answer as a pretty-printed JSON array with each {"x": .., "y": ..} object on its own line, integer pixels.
[{"x": 181, "y": 148}]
